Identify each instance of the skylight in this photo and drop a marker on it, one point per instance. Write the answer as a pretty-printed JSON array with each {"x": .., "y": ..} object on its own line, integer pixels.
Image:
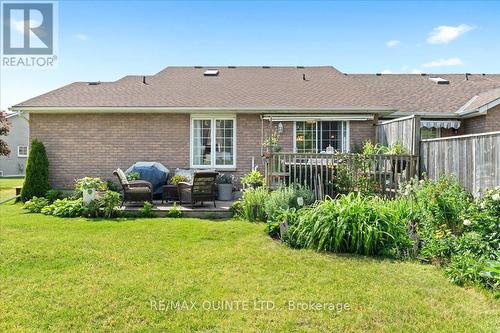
[
  {"x": 211, "y": 72},
  {"x": 439, "y": 80}
]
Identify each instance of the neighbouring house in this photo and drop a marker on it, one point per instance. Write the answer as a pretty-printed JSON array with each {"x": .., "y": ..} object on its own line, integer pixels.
[
  {"x": 218, "y": 117},
  {"x": 18, "y": 141}
]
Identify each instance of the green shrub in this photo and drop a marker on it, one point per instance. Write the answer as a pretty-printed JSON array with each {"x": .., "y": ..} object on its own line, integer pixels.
[
  {"x": 174, "y": 212},
  {"x": 254, "y": 179},
  {"x": 134, "y": 175},
  {"x": 490, "y": 273},
  {"x": 36, "y": 204},
  {"x": 455, "y": 231},
  {"x": 441, "y": 206},
  {"x": 112, "y": 186},
  {"x": 53, "y": 195},
  {"x": 353, "y": 223},
  {"x": 65, "y": 208},
  {"x": 278, "y": 200},
  {"x": 108, "y": 202},
  {"x": 147, "y": 210},
  {"x": 89, "y": 184},
  {"x": 282, "y": 217},
  {"x": 92, "y": 209},
  {"x": 253, "y": 204},
  {"x": 36, "y": 182}
]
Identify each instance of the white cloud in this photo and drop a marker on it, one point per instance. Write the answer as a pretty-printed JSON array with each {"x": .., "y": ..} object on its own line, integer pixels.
[
  {"x": 444, "y": 62},
  {"x": 387, "y": 71},
  {"x": 81, "y": 36},
  {"x": 445, "y": 34},
  {"x": 392, "y": 43},
  {"x": 416, "y": 71}
]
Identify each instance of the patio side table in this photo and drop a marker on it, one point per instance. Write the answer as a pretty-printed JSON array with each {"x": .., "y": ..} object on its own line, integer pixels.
[{"x": 169, "y": 193}]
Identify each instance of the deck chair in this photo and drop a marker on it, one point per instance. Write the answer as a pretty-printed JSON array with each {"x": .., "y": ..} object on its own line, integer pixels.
[{"x": 201, "y": 189}]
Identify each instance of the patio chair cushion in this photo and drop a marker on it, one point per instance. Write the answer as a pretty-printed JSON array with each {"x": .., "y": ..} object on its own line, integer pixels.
[
  {"x": 133, "y": 190},
  {"x": 122, "y": 176}
]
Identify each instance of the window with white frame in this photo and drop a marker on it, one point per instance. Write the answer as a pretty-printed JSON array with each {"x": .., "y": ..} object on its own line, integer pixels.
[
  {"x": 213, "y": 142},
  {"x": 319, "y": 136},
  {"x": 22, "y": 151}
]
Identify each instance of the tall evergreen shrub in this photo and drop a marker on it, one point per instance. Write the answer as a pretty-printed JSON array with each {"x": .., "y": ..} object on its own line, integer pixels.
[{"x": 36, "y": 182}]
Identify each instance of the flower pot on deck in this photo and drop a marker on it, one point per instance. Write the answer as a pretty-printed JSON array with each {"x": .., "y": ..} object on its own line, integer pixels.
[{"x": 225, "y": 192}]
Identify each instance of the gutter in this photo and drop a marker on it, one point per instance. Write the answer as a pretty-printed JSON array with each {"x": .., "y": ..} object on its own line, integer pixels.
[{"x": 154, "y": 109}]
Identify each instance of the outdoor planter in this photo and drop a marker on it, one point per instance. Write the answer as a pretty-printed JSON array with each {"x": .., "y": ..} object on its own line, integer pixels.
[
  {"x": 89, "y": 195},
  {"x": 225, "y": 192}
]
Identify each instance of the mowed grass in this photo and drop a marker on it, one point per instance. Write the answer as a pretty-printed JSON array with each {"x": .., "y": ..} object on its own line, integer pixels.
[
  {"x": 8, "y": 187},
  {"x": 83, "y": 275}
]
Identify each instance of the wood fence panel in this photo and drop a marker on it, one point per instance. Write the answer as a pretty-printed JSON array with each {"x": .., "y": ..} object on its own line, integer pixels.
[
  {"x": 473, "y": 159},
  {"x": 405, "y": 130}
]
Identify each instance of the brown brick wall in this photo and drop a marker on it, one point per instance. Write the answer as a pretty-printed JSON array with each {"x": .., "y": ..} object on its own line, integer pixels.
[
  {"x": 80, "y": 145},
  {"x": 482, "y": 124},
  {"x": 360, "y": 131}
]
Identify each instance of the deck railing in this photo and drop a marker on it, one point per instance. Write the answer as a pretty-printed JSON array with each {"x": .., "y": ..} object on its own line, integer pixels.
[{"x": 331, "y": 174}]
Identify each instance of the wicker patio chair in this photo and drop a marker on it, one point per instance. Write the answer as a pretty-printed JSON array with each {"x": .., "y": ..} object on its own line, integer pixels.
[
  {"x": 135, "y": 190},
  {"x": 202, "y": 188}
]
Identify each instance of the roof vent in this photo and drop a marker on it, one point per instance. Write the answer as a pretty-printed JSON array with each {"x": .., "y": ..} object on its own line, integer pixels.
[
  {"x": 211, "y": 72},
  {"x": 439, "y": 80},
  {"x": 144, "y": 80},
  {"x": 467, "y": 76},
  {"x": 96, "y": 83}
]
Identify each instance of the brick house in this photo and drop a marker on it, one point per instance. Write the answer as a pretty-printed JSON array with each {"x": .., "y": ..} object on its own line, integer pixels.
[{"x": 218, "y": 117}]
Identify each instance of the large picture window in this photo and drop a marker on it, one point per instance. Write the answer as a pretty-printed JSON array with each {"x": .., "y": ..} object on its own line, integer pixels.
[
  {"x": 213, "y": 142},
  {"x": 319, "y": 136}
]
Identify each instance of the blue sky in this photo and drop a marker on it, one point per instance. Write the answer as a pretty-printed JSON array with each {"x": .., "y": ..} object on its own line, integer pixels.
[{"x": 107, "y": 40}]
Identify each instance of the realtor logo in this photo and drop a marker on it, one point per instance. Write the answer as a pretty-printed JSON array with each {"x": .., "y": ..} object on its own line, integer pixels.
[{"x": 28, "y": 29}]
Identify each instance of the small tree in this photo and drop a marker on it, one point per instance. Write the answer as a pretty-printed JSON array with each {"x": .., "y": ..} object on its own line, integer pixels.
[
  {"x": 36, "y": 182},
  {"x": 4, "y": 130}
]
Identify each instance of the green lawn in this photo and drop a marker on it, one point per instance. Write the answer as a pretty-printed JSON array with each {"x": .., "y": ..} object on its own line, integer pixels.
[
  {"x": 82, "y": 275},
  {"x": 7, "y": 187}
]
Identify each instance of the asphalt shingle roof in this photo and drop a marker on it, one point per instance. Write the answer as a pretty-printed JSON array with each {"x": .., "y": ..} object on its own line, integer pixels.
[{"x": 274, "y": 87}]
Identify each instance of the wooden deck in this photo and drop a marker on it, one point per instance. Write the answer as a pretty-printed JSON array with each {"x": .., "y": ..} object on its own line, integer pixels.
[{"x": 221, "y": 211}]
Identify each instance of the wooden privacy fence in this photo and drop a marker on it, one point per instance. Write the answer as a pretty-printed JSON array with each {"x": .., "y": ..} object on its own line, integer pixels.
[
  {"x": 473, "y": 159},
  {"x": 330, "y": 174},
  {"x": 405, "y": 130}
]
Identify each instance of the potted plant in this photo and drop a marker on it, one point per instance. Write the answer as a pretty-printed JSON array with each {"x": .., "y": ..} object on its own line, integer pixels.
[
  {"x": 88, "y": 186},
  {"x": 175, "y": 180},
  {"x": 254, "y": 179},
  {"x": 271, "y": 144},
  {"x": 133, "y": 175},
  {"x": 225, "y": 187}
]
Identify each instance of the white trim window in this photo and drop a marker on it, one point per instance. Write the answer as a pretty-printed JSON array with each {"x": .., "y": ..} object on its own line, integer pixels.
[
  {"x": 22, "y": 151},
  {"x": 213, "y": 142},
  {"x": 319, "y": 136}
]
